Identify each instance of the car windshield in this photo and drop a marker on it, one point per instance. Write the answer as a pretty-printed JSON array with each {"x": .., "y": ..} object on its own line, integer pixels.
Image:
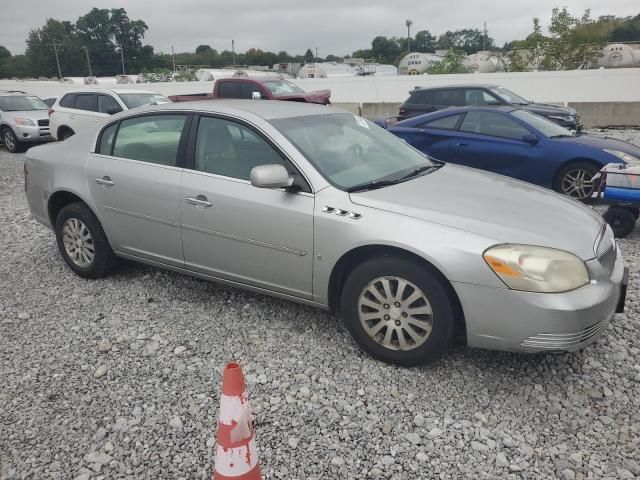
[
  {"x": 350, "y": 151},
  {"x": 282, "y": 87},
  {"x": 546, "y": 127},
  {"x": 133, "y": 100},
  {"x": 21, "y": 103},
  {"x": 508, "y": 96}
]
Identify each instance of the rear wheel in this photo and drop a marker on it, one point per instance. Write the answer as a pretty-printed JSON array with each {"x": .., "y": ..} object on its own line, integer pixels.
[
  {"x": 398, "y": 311},
  {"x": 575, "y": 180},
  {"x": 11, "y": 141},
  {"x": 621, "y": 221},
  {"x": 83, "y": 243}
]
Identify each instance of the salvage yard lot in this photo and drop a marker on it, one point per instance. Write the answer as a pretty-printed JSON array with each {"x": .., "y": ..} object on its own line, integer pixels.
[{"x": 144, "y": 403}]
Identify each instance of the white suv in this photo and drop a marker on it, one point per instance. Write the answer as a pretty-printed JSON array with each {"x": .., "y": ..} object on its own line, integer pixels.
[{"x": 78, "y": 110}]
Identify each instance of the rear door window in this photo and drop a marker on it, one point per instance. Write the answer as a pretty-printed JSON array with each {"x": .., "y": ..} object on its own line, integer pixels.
[
  {"x": 444, "y": 123},
  {"x": 447, "y": 97},
  {"x": 150, "y": 138},
  {"x": 86, "y": 101},
  {"x": 108, "y": 104},
  {"x": 493, "y": 124},
  {"x": 422, "y": 97},
  {"x": 229, "y": 90},
  {"x": 476, "y": 96}
]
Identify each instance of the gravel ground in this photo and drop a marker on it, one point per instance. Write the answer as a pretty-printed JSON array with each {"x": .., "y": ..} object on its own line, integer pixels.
[{"x": 119, "y": 378}]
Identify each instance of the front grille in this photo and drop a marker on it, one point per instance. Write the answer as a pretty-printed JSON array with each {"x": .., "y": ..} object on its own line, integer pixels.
[
  {"x": 563, "y": 341},
  {"x": 605, "y": 249},
  {"x": 43, "y": 123}
]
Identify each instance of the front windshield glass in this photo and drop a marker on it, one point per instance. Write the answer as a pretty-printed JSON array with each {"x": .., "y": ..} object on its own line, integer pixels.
[
  {"x": 547, "y": 127},
  {"x": 133, "y": 100},
  {"x": 508, "y": 96},
  {"x": 350, "y": 151},
  {"x": 21, "y": 103},
  {"x": 282, "y": 87}
]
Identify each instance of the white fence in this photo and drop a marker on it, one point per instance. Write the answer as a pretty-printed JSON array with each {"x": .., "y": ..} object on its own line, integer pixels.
[{"x": 611, "y": 85}]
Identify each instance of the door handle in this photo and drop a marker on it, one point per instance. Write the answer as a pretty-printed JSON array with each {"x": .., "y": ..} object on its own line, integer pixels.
[
  {"x": 462, "y": 144},
  {"x": 105, "y": 181},
  {"x": 199, "y": 201}
]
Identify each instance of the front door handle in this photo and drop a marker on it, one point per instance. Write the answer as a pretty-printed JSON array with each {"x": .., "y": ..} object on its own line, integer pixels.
[
  {"x": 462, "y": 144},
  {"x": 199, "y": 201},
  {"x": 105, "y": 181}
]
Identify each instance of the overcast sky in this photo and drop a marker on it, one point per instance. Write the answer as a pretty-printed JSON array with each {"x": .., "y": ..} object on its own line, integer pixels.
[{"x": 333, "y": 26}]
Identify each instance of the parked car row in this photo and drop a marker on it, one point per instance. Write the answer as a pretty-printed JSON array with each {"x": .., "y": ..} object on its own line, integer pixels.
[{"x": 319, "y": 206}]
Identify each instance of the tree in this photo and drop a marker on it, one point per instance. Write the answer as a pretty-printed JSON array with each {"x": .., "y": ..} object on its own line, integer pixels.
[
  {"x": 17, "y": 66},
  {"x": 424, "y": 42},
  {"x": 308, "y": 56},
  {"x": 469, "y": 40},
  {"x": 202, "y": 48},
  {"x": 627, "y": 31},
  {"x": 4, "y": 54},
  {"x": 450, "y": 63},
  {"x": 40, "y": 51}
]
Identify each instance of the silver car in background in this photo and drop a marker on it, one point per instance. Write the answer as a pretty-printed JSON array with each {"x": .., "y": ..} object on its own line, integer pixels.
[
  {"x": 24, "y": 120},
  {"x": 313, "y": 204}
]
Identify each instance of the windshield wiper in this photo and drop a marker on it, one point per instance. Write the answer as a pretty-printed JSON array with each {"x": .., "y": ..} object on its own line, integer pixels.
[
  {"x": 418, "y": 171},
  {"x": 371, "y": 185}
]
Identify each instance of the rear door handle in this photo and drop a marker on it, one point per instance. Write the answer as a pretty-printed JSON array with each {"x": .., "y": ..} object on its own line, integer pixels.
[
  {"x": 105, "y": 181},
  {"x": 199, "y": 201}
]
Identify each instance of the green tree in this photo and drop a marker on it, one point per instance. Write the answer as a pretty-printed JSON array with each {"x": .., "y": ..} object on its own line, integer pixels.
[
  {"x": 627, "y": 31},
  {"x": 202, "y": 48},
  {"x": 424, "y": 42},
  {"x": 40, "y": 51},
  {"x": 16, "y": 66},
  {"x": 308, "y": 56},
  {"x": 469, "y": 40},
  {"x": 450, "y": 63}
]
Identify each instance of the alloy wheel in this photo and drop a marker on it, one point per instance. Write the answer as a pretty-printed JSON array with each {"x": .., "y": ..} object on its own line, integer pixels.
[
  {"x": 78, "y": 242},
  {"x": 9, "y": 141},
  {"x": 395, "y": 313},
  {"x": 577, "y": 183}
]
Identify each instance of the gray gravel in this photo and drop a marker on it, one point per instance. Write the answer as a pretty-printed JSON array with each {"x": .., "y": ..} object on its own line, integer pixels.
[{"x": 119, "y": 378}]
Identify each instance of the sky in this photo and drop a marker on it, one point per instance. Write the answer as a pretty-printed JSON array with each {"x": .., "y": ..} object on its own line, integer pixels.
[{"x": 336, "y": 27}]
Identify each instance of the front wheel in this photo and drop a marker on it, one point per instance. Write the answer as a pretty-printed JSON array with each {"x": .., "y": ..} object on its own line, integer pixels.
[
  {"x": 575, "y": 181},
  {"x": 83, "y": 243},
  {"x": 398, "y": 311},
  {"x": 11, "y": 141}
]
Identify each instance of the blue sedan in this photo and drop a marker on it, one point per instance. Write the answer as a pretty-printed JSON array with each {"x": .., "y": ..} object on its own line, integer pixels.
[{"x": 516, "y": 143}]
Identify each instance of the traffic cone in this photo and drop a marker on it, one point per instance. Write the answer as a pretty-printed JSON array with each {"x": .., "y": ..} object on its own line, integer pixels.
[{"x": 236, "y": 452}]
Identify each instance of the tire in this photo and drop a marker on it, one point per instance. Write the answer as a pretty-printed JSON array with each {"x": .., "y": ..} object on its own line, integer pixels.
[
  {"x": 65, "y": 133},
  {"x": 621, "y": 221},
  {"x": 573, "y": 180},
  {"x": 10, "y": 141},
  {"x": 421, "y": 345},
  {"x": 94, "y": 259}
]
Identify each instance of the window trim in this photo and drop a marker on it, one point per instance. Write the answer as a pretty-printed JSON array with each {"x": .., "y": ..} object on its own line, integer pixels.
[
  {"x": 182, "y": 144},
  {"x": 493, "y": 136},
  {"x": 193, "y": 135}
]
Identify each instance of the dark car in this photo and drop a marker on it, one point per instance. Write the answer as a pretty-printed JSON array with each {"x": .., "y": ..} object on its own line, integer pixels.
[
  {"x": 250, "y": 88},
  {"x": 514, "y": 142},
  {"x": 431, "y": 99}
]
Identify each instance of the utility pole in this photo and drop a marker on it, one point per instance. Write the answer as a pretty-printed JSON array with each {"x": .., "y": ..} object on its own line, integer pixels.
[
  {"x": 173, "y": 58},
  {"x": 408, "y": 23},
  {"x": 316, "y": 60},
  {"x": 86, "y": 52},
  {"x": 233, "y": 51},
  {"x": 122, "y": 59},
  {"x": 55, "y": 50},
  {"x": 484, "y": 37}
]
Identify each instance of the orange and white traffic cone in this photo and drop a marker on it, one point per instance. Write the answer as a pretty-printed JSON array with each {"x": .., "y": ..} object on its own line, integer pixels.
[{"x": 236, "y": 452}]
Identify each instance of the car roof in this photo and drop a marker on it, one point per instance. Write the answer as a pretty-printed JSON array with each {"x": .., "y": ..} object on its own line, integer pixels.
[
  {"x": 14, "y": 93},
  {"x": 266, "y": 109},
  {"x": 461, "y": 85},
  {"x": 254, "y": 79},
  {"x": 117, "y": 91},
  {"x": 453, "y": 111}
]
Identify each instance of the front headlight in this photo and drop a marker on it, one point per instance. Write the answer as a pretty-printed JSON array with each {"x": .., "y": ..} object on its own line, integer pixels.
[
  {"x": 25, "y": 122},
  {"x": 537, "y": 269},
  {"x": 627, "y": 157}
]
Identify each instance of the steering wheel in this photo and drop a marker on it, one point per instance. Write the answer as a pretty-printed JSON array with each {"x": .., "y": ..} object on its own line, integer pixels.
[{"x": 355, "y": 151}]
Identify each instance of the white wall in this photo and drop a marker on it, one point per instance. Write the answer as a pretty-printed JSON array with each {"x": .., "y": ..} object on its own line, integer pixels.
[{"x": 611, "y": 85}]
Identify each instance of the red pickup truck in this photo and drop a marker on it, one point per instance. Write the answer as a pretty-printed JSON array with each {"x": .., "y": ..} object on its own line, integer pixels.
[{"x": 257, "y": 88}]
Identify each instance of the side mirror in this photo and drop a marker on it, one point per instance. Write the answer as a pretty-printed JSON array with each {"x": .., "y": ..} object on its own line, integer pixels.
[
  {"x": 531, "y": 139},
  {"x": 256, "y": 96},
  {"x": 113, "y": 110},
  {"x": 270, "y": 176}
]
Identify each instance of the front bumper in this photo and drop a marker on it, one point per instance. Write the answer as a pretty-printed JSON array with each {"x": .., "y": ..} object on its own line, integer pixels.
[
  {"x": 503, "y": 319},
  {"x": 35, "y": 134}
]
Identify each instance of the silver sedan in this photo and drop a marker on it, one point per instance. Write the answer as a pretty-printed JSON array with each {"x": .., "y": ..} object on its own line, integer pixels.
[{"x": 319, "y": 206}]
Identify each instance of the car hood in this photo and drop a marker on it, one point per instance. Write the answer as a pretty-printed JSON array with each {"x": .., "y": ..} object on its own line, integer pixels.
[
  {"x": 32, "y": 114},
  {"x": 493, "y": 206},
  {"x": 320, "y": 96},
  {"x": 600, "y": 142},
  {"x": 546, "y": 109}
]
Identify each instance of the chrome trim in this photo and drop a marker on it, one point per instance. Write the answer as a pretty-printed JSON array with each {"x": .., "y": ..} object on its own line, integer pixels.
[
  {"x": 251, "y": 241},
  {"x": 562, "y": 341},
  {"x": 141, "y": 215}
]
